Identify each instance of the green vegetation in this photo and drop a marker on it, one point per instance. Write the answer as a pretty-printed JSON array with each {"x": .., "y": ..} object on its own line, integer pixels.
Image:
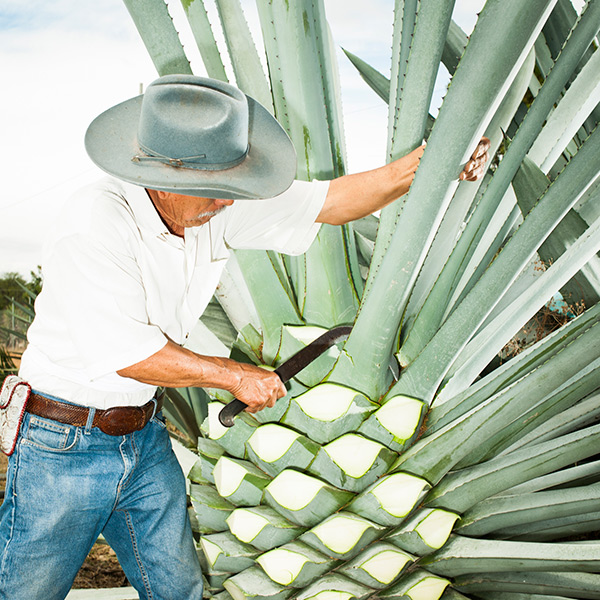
[{"x": 480, "y": 476}]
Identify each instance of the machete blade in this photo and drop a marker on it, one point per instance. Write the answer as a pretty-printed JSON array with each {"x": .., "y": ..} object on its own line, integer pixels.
[{"x": 292, "y": 366}]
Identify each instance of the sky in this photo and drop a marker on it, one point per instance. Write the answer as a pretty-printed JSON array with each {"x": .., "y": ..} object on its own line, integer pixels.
[{"x": 66, "y": 61}]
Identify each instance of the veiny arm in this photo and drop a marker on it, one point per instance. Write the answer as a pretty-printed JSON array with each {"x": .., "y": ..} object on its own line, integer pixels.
[
  {"x": 352, "y": 197},
  {"x": 174, "y": 366}
]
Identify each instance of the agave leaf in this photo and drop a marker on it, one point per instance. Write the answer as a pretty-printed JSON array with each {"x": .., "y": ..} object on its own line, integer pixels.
[
  {"x": 436, "y": 181},
  {"x": 303, "y": 51},
  {"x": 465, "y": 555},
  {"x": 584, "y": 474},
  {"x": 497, "y": 332},
  {"x": 549, "y": 585},
  {"x": 582, "y": 414},
  {"x": 197, "y": 16},
  {"x": 427, "y": 308},
  {"x": 552, "y": 530},
  {"x": 463, "y": 489},
  {"x": 426, "y": 372},
  {"x": 579, "y": 40},
  {"x": 557, "y": 403},
  {"x": 155, "y": 26},
  {"x": 271, "y": 294},
  {"x": 434, "y": 455},
  {"x": 502, "y": 512},
  {"x": 456, "y": 42},
  {"x": 448, "y": 407},
  {"x": 379, "y": 83},
  {"x": 249, "y": 74},
  {"x": 420, "y": 31},
  {"x": 585, "y": 285},
  {"x": 570, "y": 114}
]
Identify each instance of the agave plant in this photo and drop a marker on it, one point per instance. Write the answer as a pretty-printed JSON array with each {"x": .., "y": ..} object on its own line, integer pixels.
[{"x": 411, "y": 463}]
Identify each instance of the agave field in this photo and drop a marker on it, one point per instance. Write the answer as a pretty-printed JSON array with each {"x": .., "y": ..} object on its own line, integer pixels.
[{"x": 410, "y": 462}]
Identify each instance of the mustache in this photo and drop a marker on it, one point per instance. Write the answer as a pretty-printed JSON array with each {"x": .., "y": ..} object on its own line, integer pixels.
[{"x": 210, "y": 213}]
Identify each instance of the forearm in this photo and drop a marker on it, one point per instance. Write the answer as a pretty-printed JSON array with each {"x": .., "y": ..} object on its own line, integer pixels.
[
  {"x": 174, "y": 366},
  {"x": 352, "y": 197}
]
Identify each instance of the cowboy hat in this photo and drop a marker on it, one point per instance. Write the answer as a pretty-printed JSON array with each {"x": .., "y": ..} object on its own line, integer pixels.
[{"x": 194, "y": 136}]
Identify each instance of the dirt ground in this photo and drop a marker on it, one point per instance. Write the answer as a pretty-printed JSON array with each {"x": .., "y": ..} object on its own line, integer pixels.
[{"x": 101, "y": 568}]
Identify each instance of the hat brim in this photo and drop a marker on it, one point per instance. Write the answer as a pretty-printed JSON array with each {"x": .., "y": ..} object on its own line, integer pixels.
[{"x": 268, "y": 169}]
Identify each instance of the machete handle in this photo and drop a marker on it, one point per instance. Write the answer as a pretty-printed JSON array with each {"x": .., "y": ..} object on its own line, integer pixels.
[{"x": 234, "y": 408}]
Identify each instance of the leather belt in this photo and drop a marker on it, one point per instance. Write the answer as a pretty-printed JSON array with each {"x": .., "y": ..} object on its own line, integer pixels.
[{"x": 120, "y": 420}]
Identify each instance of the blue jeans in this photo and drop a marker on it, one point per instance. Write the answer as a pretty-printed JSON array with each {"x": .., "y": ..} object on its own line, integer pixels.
[{"x": 66, "y": 485}]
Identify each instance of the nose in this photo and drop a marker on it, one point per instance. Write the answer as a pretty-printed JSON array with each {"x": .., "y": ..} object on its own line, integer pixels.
[{"x": 219, "y": 202}]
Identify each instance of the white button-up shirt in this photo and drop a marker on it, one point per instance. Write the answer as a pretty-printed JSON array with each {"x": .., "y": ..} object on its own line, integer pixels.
[{"x": 117, "y": 283}]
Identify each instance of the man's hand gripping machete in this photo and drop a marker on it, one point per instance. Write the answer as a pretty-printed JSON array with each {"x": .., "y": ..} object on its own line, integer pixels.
[{"x": 291, "y": 367}]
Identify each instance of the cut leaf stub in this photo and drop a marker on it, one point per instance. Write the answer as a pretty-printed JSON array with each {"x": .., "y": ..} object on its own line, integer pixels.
[
  {"x": 343, "y": 535},
  {"x": 232, "y": 439},
  {"x": 274, "y": 448},
  {"x": 210, "y": 507},
  {"x": 395, "y": 423},
  {"x": 419, "y": 585},
  {"x": 378, "y": 566},
  {"x": 226, "y": 553},
  {"x": 262, "y": 527},
  {"x": 388, "y": 501},
  {"x": 239, "y": 481},
  {"x": 327, "y": 411},
  {"x": 352, "y": 462},
  {"x": 303, "y": 499},
  {"x": 254, "y": 583},
  {"x": 426, "y": 531},
  {"x": 295, "y": 564},
  {"x": 335, "y": 587}
]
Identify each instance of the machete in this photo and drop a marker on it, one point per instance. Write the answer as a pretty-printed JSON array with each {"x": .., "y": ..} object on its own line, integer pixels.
[{"x": 292, "y": 366}]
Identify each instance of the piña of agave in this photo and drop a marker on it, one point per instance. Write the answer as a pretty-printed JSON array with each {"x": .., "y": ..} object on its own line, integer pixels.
[{"x": 411, "y": 463}]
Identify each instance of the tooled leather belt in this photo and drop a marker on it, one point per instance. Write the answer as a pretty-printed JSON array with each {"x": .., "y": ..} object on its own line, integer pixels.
[{"x": 120, "y": 420}]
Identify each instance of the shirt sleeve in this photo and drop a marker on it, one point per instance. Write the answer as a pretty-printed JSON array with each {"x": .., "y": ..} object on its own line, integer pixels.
[
  {"x": 93, "y": 286},
  {"x": 284, "y": 224}
]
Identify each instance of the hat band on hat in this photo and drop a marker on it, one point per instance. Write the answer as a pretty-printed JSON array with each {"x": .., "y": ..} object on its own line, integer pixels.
[{"x": 187, "y": 162}]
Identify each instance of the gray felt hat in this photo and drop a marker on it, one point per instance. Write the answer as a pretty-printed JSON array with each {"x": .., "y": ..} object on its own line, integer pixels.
[{"x": 194, "y": 136}]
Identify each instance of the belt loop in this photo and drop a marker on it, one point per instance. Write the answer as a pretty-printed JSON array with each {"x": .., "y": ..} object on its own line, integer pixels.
[
  {"x": 90, "y": 420},
  {"x": 154, "y": 407}
]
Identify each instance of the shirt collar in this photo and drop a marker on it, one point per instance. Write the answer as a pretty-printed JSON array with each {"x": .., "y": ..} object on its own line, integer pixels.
[{"x": 146, "y": 216}]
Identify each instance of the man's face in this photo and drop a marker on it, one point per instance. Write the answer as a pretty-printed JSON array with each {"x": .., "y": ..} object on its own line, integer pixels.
[{"x": 179, "y": 211}]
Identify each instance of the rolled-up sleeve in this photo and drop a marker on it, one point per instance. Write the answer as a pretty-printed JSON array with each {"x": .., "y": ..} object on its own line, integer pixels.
[{"x": 285, "y": 224}]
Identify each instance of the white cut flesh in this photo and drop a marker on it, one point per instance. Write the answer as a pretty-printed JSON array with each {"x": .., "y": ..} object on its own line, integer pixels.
[
  {"x": 326, "y": 402},
  {"x": 294, "y": 490},
  {"x": 400, "y": 416},
  {"x": 436, "y": 527},
  {"x": 385, "y": 566},
  {"x": 305, "y": 333},
  {"x": 245, "y": 524},
  {"x": 281, "y": 565},
  {"x": 353, "y": 454},
  {"x": 270, "y": 442},
  {"x": 215, "y": 429},
  {"x": 331, "y": 596},
  {"x": 398, "y": 493},
  {"x": 341, "y": 533},
  {"x": 430, "y": 588},
  {"x": 211, "y": 550},
  {"x": 228, "y": 476}
]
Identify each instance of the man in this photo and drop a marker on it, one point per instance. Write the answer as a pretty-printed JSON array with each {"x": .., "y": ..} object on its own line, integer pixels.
[{"x": 129, "y": 269}]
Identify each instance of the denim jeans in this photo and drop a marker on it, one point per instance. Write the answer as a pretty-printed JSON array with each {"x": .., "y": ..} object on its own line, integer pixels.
[{"x": 66, "y": 485}]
